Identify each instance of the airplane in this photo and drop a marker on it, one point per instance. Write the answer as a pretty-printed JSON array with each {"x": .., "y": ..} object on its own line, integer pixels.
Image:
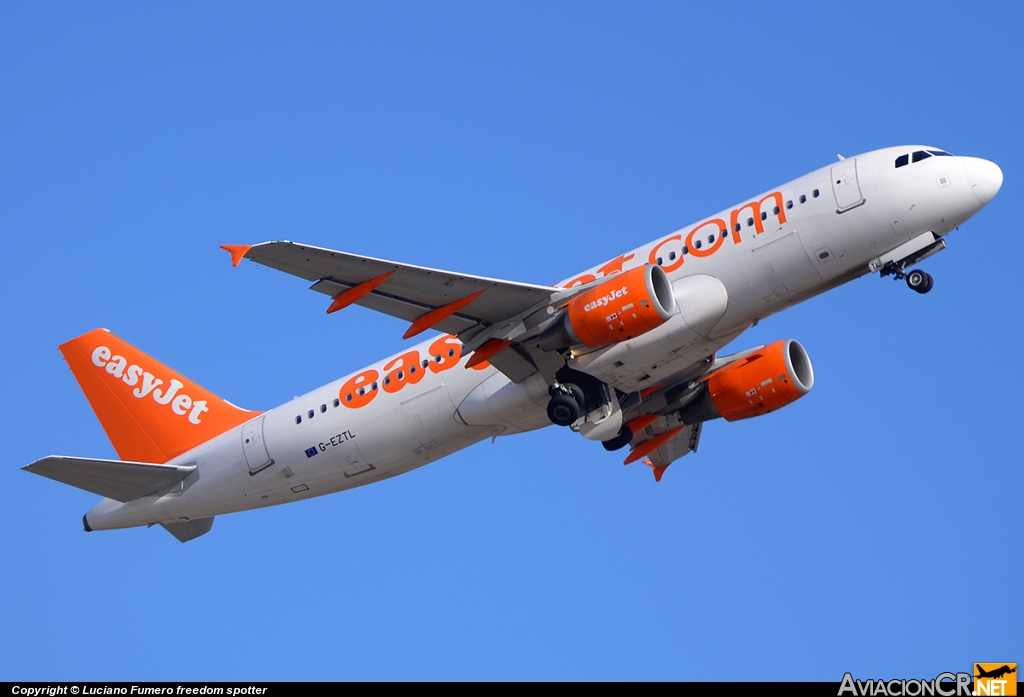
[
  {"x": 625, "y": 353},
  {"x": 995, "y": 672}
]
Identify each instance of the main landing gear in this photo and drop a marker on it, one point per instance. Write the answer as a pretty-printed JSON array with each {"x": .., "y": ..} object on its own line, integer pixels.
[
  {"x": 566, "y": 404},
  {"x": 620, "y": 441},
  {"x": 917, "y": 280}
]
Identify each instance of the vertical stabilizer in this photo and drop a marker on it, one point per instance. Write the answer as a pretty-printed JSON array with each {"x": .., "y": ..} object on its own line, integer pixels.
[{"x": 149, "y": 412}]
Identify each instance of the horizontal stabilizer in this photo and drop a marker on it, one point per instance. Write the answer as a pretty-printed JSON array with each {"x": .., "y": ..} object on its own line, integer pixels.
[
  {"x": 190, "y": 529},
  {"x": 114, "y": 479}
]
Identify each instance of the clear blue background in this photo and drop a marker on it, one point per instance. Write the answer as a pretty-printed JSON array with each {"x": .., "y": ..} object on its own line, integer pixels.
[{"x": 872, "y": 527}]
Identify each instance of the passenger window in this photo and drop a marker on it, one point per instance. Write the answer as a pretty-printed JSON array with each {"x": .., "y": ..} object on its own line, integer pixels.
[
  {"x": 711, "y": 239},
  {"x": 903, "y": 160},
  {"x": 426, "y": 362},
  {"x": 298, "y": 419},
  {"x": 323, "y": 408},
  {"x": 920, "y": 155},
  {"x": 789, "y": 204},
  {"x": 337, "y": 402},
  {"x": 764, "y": 216},
  {"x": 686, "y": 250},
  {"x": 737, "y": 227},
  {"x": 348, "y": 397},
  {"x": 750, "y": 222},
  {"x": 696, "y": 244},
  {"x": 775, "y": 210},
  {"x": 724, "y": 233},
  {"x": 659, "y": 260},
  {"x": 310, "y": 413},
  {"x": 373, "y": 387},
  {"x": 815, "y": 193},
  {"x": 803, "y": 199},
  {"x": 671, "y": 256}
]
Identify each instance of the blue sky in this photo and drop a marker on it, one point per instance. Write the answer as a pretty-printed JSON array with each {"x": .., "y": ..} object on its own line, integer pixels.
[{"x": 869, "y": 527}]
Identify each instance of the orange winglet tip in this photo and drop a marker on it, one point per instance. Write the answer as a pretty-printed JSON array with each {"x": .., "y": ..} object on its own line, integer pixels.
[
  {"x": 237, "y": 252},
  {"x": 428, "y": 320},
  {"x": 650, "y": 445},
  {"x": 357, "y": 293},
  {"x": 487, "y": 350},
  {"x": 658, "y": 471}
]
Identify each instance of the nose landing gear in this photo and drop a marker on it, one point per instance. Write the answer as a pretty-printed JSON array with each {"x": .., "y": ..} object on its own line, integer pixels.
[{"x": 917, "y": 280}]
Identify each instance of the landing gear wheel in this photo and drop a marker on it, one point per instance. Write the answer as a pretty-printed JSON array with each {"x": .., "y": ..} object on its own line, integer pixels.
[
  {"x": 563, "y": 410},
  {"x": 577, "y": 394},
  {"x": 919, "y": 281},
  {"x": 619, "y": 441}
]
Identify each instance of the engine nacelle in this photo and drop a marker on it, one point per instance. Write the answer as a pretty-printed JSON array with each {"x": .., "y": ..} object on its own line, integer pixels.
[
  {"x": 625, "y": 306},
  {"x": 766, "y": 380}
]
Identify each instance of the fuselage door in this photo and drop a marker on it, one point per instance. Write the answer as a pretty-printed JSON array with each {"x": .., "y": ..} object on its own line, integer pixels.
[
  {"x": 253, "y": 446},
  {"x": 845, "y": 185}
]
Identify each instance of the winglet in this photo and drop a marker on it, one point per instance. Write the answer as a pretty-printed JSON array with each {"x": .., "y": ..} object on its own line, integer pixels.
[
  {"x": 237, "y": 252},
  {"x": 428, "y": 320},
  {"x": 658, "y": 471},
  {"x": 357, "y": 293},
  {"x": 489, "y": 349}
]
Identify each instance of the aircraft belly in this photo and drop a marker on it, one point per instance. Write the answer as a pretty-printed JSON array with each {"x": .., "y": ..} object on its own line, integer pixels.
[{"x": 502, "y": 406}]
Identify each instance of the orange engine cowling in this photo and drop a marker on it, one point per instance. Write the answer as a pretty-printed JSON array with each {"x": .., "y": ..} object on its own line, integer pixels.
[
  {"x": 625, "y": 306},
  {"x": 766, "y": 380}
]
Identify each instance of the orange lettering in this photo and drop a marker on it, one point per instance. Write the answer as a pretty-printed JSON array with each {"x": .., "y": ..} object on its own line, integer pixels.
[
  {"x": 719, "y": 238},
  {"x": 403, "y": 370},
  {"x": 445, "y": 354},
  {"x": 585, "y": 278},
  {"x": 359, "y": 390},
  {"x": 653, "y": 258},
  {"x": 615, "y": 265},
  {"x": 755, "y": 208}
]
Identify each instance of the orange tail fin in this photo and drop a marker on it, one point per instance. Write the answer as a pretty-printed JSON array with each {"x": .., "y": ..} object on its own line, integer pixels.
[{"x": 150, "y": 412}]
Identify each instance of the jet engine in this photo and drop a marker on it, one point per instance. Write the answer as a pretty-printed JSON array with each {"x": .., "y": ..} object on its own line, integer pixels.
[
  {"x": 625, "y": 306},
  {"x": 767, "y": 379}
]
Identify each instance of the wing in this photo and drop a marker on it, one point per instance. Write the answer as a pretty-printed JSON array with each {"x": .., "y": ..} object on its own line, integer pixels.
[
  {"x": 488, "y": 315},
  {"x": 407, "y": 292}
]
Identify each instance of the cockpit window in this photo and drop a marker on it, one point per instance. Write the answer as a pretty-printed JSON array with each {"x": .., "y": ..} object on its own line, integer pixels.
[
  {"x": 940, "y": 153},
  {"x": 920, "y": 155},
  {"x": 903, "y": 160}
]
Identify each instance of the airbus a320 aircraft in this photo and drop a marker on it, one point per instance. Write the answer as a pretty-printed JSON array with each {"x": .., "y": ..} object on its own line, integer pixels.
[{"x": 625, "y": 353}]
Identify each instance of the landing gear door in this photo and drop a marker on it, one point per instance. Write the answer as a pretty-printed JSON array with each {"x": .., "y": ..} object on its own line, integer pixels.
[
  {"x": 254, "y": 447},
  {"x": 845, "y": 185}
]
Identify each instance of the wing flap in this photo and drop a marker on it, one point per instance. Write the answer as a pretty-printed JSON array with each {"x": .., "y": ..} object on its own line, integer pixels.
[
  {"x": 683, "y": 443},
  {"x": 113, "y": 479}
]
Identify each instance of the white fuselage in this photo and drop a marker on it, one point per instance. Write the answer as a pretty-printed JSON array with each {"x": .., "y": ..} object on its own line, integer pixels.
[{"x": 318, "y": 444}]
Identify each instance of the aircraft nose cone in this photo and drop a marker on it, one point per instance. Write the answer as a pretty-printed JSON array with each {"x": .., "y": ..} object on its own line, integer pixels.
[{"x": 984, "y": 177}]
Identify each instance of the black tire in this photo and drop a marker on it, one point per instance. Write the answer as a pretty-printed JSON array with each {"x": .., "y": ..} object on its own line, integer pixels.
[
  {"x": 919, "y": 281},
  {"x": 620, "y": 441},
  {"x": 563, "y": 410}
]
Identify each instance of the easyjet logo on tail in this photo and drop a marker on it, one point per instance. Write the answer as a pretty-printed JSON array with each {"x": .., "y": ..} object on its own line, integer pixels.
[{"x": 149, "y": 385}]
